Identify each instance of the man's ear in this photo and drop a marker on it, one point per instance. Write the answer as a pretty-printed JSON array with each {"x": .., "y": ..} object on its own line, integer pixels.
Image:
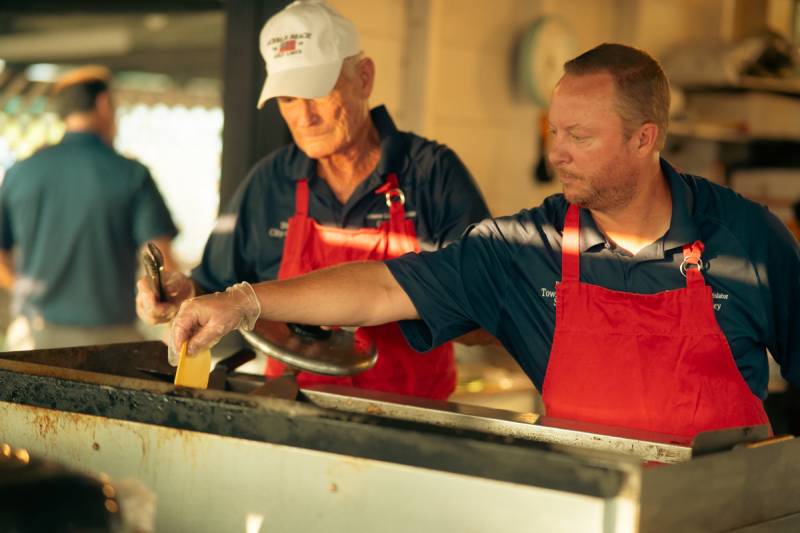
[
  {"x": 366, "y": 76},
  {"x": 102, "y": 103},
  {"x": 104, "y": 111},
  {"x": 646, "y": 138}
]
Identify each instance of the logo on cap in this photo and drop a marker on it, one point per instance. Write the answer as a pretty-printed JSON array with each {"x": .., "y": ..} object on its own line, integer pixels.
[
  {"x": 288, "y": 45},
  {"x": 304, "y": 46}
]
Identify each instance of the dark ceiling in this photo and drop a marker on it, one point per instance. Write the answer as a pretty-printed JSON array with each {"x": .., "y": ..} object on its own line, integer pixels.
[{"x": 182, "y": 38}]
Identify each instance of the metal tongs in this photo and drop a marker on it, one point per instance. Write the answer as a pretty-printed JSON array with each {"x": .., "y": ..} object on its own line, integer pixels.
[{"x": 153, "y": 261}]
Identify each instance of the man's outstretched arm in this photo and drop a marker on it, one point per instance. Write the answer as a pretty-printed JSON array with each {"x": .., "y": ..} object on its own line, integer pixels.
[{"x": 354, "y": 294}]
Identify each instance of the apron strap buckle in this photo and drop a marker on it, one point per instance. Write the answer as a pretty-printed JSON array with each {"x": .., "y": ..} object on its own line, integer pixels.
[
  {"x": 395, "y": 196},
  {"x": 692, "y": 258},
  {"x": 689, "y": 265}
]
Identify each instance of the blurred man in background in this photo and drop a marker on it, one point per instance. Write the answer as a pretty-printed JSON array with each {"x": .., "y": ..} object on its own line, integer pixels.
[
  {"x": 351, "y": 187},
  {"x": 73, "y": 218}
]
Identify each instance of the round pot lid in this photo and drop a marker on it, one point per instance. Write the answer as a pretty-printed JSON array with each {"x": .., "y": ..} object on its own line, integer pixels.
[{"x": 312, "y": 349}]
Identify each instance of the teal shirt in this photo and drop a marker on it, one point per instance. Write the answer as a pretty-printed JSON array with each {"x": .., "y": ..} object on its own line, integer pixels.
[{"x": 77, "y": 214}]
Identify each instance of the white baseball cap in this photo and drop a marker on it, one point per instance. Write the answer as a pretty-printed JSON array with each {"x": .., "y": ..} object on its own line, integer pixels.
[{"x": 304, "y": 47}]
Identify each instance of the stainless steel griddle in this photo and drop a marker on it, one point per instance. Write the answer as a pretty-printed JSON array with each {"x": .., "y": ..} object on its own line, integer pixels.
[{"x": 338, "y": 459}]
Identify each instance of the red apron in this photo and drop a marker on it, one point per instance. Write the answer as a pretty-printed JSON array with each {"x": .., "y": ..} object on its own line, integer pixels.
[
  {"x": 310, "y": 246},
  {"x": 657, "y": 362}
]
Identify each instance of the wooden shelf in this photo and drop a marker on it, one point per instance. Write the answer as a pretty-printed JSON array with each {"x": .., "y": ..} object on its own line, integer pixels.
[
  {"x": 790, "y": 86},
  {"x": 786, "y": 86},
  {"x": 709, "y": 131}
]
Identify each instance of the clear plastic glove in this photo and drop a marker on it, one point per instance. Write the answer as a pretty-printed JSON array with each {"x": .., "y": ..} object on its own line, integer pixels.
[
  {"x": 177, "y": 287},
  {"x": 203, "y": 321}
]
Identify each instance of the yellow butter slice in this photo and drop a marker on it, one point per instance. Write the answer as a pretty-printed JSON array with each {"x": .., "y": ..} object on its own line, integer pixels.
[{"x": 193, "y": 371}]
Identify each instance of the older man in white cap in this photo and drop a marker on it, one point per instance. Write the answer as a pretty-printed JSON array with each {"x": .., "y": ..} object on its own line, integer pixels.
[{"x": 350, "y": 188}]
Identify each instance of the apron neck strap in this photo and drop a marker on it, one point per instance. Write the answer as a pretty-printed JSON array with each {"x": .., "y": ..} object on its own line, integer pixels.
[
  {"x": 395, "y": 199},
  {"x": 570, "y": 245},
  {"x": 691, "y": 267},
  {"x": 389, "y": 184},
  {"x": 692, "y": 264},
  {"x": 301, "y": 198}
]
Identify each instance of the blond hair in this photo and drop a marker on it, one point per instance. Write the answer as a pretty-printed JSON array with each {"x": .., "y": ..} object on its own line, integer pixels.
[{"x": 87, "y": 74}]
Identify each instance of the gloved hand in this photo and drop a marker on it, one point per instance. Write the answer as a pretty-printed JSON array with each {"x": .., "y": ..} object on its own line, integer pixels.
[
  {"x": 177, "y": 287},
  {"x": 203, "y": 321}
]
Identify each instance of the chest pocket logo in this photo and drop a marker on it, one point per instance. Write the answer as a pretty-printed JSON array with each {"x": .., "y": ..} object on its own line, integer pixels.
[
  {"x": 279, "y": 232},
  {"x": 718, "y": 298},
  {"x": 375, "y": 219}
]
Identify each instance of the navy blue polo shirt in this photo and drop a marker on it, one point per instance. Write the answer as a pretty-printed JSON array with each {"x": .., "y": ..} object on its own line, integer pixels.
[
  {"x": 247, "y": 243},
  {"x": 502, "y": 275},
  {"x": 77, "y": 214}
]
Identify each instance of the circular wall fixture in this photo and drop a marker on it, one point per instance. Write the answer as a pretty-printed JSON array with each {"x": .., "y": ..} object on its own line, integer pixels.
[{"x": 546, "y": 45}]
